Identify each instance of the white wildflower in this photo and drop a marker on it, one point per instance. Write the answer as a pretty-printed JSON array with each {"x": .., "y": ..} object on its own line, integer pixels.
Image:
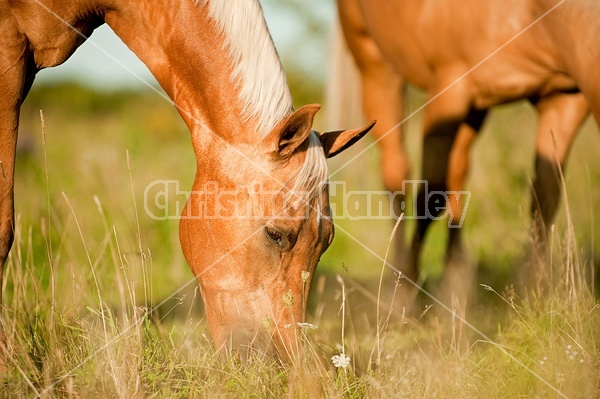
[
  {"x": 307, "y": 326},
  {"x": 340, "y": 360}
]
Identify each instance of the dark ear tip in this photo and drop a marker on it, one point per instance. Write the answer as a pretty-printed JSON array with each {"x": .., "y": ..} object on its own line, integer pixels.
[
  {"x": 368, "y": 128},
  {"x": 312, "y": 107}
]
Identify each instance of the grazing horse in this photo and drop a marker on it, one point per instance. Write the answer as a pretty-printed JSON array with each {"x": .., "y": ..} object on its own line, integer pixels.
[
  {"x": 254, "y": 258},
  {"x": 469, "y": 57}
]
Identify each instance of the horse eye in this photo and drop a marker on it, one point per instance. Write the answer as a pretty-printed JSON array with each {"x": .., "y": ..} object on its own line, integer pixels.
[
  {"x": 282, "y": 238},
  {"x": 274, "y": 235}
]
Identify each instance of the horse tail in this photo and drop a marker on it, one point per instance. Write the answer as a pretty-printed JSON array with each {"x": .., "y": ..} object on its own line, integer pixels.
[{"x": 343, "y": 90}]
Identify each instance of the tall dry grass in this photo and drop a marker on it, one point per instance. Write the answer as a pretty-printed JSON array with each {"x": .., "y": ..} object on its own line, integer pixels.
[
  {"x": 99, "y": 302},
  {"x": 102, "y": 342}
]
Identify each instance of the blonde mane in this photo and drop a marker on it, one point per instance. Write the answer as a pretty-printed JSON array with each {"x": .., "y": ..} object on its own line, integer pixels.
[{"x": 263, "y": 87}]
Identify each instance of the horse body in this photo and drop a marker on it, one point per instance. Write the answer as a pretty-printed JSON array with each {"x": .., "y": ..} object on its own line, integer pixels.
[
  {"x": 467, "y": 57},
  {"x": 573, "y": 29},
  {"x": 441, "y": 40},
  {"x": 217, "y": 63}
]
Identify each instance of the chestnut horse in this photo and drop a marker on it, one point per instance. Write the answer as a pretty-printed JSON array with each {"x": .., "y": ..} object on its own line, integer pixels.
[
  {"x": 469, "y": 57},
  {"x": 217, "y": 63}
]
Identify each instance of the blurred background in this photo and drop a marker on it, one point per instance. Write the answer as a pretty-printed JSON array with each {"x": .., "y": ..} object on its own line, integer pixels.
[
  {"x": 108, "y": 135},
  {"x": 298, "y": 28},
  {"x": 88, "y": 261}
]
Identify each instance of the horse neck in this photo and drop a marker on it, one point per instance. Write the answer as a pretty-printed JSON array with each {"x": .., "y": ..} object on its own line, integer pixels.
[{"x": 192, "y": 51}]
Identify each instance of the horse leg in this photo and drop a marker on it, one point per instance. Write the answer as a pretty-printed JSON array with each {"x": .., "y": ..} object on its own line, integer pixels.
[
  {"x": 8, "y": 140},
  {"x": 443, "y": 117},
  {"x": 458, "y": 272},
  {"x": 12, "y": 86},
  {"x": 382, "y": 98},
  {"x": 560, "y": 118}
]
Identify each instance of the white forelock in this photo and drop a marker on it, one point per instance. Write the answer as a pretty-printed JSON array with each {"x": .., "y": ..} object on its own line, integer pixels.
[{"x": 314, "y": 171}]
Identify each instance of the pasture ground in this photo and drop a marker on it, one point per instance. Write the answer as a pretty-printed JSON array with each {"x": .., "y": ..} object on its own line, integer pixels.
[{"x": 88, "y": 263}]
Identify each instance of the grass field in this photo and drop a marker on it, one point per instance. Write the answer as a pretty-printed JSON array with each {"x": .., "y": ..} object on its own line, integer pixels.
[{"x": 88, "y": 264}]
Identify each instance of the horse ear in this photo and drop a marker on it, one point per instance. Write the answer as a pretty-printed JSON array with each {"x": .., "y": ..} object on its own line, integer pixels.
[
  {"x": 292, "y": 131},
  {"x": 335, "y": 142}
]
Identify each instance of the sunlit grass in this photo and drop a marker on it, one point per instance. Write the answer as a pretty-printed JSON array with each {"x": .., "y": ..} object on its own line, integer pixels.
[
  {"x": 91, "y": 308},
  {"x": 102, "y": 342}
]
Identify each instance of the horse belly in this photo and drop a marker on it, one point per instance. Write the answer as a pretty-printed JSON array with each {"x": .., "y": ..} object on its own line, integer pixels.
[
  {"x": 492, "y": 92},
  {"x": 515, "y": 62},
  {"x": 506, "y": 85}
]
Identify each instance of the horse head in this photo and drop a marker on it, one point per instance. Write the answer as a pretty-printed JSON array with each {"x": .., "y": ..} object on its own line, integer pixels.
[{"x": 253, "y": 235}]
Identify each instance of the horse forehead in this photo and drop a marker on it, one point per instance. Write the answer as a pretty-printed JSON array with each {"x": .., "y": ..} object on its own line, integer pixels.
[
  {"x": 272, "y": 171},
  {"x": 304, "y": 173}
]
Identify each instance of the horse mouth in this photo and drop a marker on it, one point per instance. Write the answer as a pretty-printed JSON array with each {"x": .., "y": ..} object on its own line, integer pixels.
[{"x": 245, "y": 341}]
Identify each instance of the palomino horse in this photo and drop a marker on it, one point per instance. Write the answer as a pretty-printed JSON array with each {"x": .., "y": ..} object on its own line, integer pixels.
[
  {"x": 217, "y": 62},
  {"x": 468, "y": 58}
]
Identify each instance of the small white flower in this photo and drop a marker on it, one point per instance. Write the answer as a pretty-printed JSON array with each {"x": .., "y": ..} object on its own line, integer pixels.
[
  {"x": 307, "y": 326},
  {"x": 340, "y": 360},
  {"x": 287, "y": 326}
]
